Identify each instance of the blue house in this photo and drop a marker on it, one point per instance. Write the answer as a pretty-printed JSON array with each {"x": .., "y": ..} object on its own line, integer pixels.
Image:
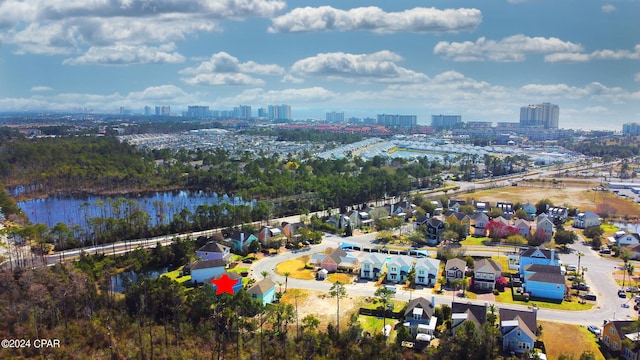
[
  {"x": 241, "y": 240},
  {"x": 203, "y": 270},
  {"x": 544, "y": 281},
  {"x": 518, "y": 329},
  {"x": 263, "y": 291},
  {"x": 398, "y": 267},
  {"x": 538, "y": 255},
  {"x": 530, "y": 209}
]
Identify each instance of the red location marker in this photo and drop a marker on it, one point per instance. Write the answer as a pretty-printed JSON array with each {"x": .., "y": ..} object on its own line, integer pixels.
[{"x": 224, "y": 284}]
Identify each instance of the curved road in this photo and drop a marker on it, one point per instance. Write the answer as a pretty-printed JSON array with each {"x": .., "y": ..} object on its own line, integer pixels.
[{"x": 598, "y": 274}]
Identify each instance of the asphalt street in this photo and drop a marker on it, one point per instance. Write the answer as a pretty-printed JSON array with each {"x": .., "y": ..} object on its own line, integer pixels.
[{"x": 599, "y": 274}]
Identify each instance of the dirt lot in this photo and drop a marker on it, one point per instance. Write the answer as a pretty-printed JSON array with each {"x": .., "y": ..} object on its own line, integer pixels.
[
  {"x": 322, "y": 306},
  {"x": 569, "y": 194}
]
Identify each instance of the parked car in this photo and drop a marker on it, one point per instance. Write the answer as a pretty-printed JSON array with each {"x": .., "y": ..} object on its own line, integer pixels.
[
  {"x": 580, "y": 286},
  {"x": 622, "y": 294},
  {"x": 590, "y": 296},
  {"x": 594, "y": 329},
  {"x": 247, "y": 261},
  {"x": 605, "y": 251},
  {"x": 571, "y": 268}
]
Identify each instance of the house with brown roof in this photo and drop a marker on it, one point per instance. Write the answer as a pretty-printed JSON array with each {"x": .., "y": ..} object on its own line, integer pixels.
[
  {"x": 338, "y": 258},
  {"x": 485, "y": 274},
  {"x": 519, "y": 330},
  {"x": 454, "y": 269},
  {"x": 613, "y": 335},
  {"x": 263, "y": 291},
  {"x": 418, "y": 317},
  {"x": 462, "y": 312},
  {"x": 544, "y": 281}
]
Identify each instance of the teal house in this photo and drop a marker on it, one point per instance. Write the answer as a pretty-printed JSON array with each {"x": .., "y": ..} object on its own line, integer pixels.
[{"x": 263, "y": 291}]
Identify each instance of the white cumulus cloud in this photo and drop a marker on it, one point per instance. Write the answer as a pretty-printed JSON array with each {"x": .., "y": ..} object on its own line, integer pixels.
[
  {"x": 510, "y": 49},
  {"x": 52, "y": 27},
  {"x": 380, "y": 66},
  {"x": 122, "y": 54},
  {"x": 596, "y": 55},
  {"x": 420, "y": 20},
  {"x": 41, "y": 88},
  {"x": 224, "y": 69}
]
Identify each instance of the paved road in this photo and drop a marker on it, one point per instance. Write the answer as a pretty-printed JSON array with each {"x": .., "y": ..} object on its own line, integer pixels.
[{"x": 598, "y": 274}]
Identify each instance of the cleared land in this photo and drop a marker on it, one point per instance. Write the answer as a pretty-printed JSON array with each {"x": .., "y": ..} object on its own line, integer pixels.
[
  {"x": 296, "y": 268},
  {"x": 571, "y": 194},
  {"x": 568, "y": 339}
]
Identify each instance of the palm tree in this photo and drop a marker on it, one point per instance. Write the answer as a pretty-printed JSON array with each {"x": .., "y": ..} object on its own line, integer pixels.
[
  {"x": 338, "y": 291},
  {"x": 264, "y": 273},
  {"x": 385, "y": 295},
  {"x": 625, "y": 256},
  {"x": 286, "y": 280},
  {"x": 580, "y": 255}
]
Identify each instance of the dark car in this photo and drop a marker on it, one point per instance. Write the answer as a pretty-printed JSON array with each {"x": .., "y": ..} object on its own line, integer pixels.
[
  {"x": 622, "y": 294},
  {"x": 247, "y": 261}
]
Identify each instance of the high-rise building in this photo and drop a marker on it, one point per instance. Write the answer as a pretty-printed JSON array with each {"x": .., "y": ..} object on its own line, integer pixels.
[
  {"x": 198, "y": 112},
  {"x": 279, "y": 112},
  {"x": 148, "y": 111},
  {"x": 263, "y": 113},
  {"x": 445, "y": 121},
  {"x": 632, "y": 129},
  {"x": 544, "y": 115},
  {"x": 335, "y": 117},
  {"x": 397, "y": 120},
  {"x": 242, "y": 112},
  {"x": 164, "y": 110}
]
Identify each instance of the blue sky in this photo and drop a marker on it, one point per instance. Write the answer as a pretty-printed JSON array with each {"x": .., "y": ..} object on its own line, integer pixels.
[{"x": 481, "y": 59}]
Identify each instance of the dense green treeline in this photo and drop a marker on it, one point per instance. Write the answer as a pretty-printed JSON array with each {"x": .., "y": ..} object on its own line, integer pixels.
[{"x": 90, "y": 164}]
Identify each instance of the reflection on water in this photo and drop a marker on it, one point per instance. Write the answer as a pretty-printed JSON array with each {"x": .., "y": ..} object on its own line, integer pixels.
[
  {"x": 119, "y": 281},
  {"x": 161, "y": 206}
]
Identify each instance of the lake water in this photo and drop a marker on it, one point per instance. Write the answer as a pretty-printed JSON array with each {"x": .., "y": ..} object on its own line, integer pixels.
[
  {"x": 161, "y": 206},
  {"x": 118, "y": 281},
  {"x": 632, "y": 227}
]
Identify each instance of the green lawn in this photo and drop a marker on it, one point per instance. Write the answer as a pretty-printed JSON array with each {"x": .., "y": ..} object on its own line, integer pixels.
[
  {"x": 375, "y": 325},
  {"x": 397, "y": 304},
  {"x": 505, "y": 297},
  {"x": 474, "y": 241},
  {"x": 609, "y": 228},
  {"x": 175, "y": 275}
]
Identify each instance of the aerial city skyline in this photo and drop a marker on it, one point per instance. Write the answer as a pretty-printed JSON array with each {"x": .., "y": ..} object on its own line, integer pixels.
[{"x": 483, "y": 61}]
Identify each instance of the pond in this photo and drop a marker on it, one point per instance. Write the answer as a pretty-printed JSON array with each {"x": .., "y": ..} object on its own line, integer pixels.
[
  {"x": 118, "y": 281},
  {"x": 631, "y": 226},
  {"x": 161, "y": 206}
]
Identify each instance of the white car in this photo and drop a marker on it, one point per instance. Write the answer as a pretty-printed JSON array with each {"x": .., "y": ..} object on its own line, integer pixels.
[{"x": 594, "y": 329}]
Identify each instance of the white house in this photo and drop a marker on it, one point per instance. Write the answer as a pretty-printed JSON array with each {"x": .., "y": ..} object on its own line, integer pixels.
[
  {"x": 585, "y": 219},
  {"x": 372, "y": 266},
  {"x": 426, "y": 271},
  {"x": 623, "y": 238},
  {"x": 202, "y": 270}
]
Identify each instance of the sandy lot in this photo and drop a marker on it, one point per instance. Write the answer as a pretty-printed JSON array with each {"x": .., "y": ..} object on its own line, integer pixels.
[{"x": 322, "y": 306}]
